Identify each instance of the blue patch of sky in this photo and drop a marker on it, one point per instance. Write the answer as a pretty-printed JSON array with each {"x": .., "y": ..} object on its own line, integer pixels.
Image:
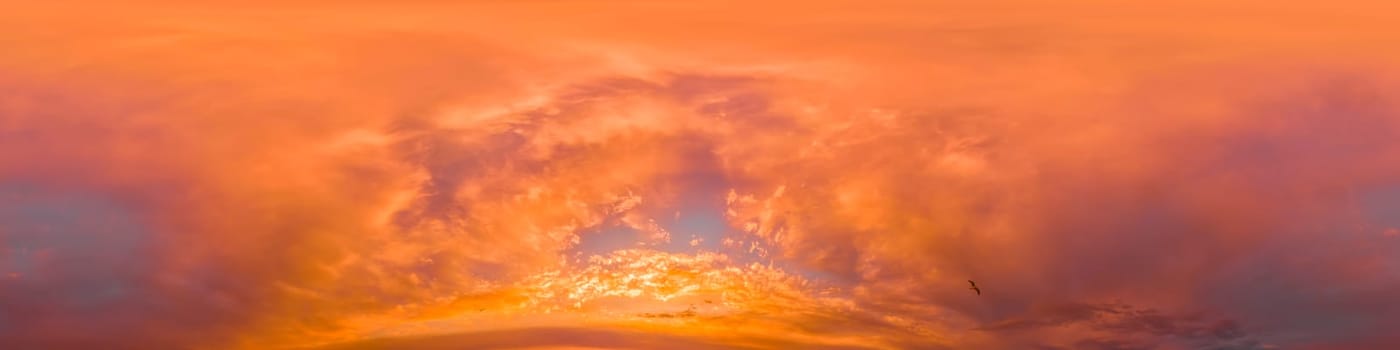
[{"x": 89, "y": 242}]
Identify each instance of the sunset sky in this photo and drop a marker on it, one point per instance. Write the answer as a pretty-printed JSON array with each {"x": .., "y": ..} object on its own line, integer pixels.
[{"x": 347, "y": 175}]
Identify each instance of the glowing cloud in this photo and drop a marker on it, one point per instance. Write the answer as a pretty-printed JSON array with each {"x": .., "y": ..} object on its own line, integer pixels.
[{"x": 699, "y": 175}]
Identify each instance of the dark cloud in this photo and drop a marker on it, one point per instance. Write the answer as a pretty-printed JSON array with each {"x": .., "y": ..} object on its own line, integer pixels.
[{"x": 1128, "y": 326}]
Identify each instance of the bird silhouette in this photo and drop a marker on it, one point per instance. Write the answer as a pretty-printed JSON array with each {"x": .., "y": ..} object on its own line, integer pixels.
[{"x": 974, "y": 287}]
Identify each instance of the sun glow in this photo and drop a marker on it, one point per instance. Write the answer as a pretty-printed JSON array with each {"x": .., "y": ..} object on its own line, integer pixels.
[{"x": 701, "y": 294}]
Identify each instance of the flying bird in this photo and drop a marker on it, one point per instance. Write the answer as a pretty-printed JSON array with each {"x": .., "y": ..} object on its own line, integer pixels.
[{"x": 974, "y": 287}]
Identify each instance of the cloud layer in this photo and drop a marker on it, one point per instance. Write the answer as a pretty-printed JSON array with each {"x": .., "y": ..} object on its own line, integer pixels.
[{"x": 703, "y": 174}]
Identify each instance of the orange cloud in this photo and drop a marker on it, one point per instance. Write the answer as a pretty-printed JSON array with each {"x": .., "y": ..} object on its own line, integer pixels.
[{"x": 701, "y": 175}]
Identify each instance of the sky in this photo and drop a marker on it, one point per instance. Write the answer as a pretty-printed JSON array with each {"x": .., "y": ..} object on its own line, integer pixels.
[{"x": 700, "y": 174}]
